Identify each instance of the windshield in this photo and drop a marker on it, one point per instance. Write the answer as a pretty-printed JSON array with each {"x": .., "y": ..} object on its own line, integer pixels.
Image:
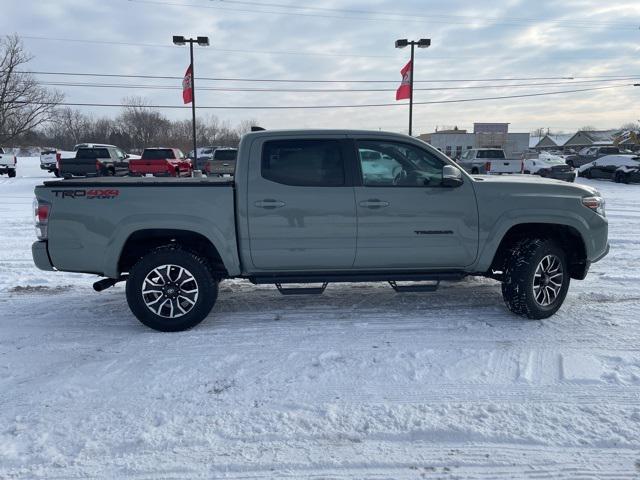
[
  {"x": 157, "y": 154},
  {"x": 225, "y": 154}
]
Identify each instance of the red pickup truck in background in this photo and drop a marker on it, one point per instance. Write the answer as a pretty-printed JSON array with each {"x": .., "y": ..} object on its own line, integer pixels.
[{"x": 158, "y": 161}]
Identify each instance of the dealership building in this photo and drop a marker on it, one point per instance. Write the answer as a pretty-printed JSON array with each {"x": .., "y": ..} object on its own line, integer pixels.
[{"x": 485, "y": 135}]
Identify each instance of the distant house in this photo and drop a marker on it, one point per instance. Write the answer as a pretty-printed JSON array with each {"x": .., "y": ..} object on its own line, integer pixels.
[
  {"x": 589, "y": 138},
  {"x": 552, "y": 142}
]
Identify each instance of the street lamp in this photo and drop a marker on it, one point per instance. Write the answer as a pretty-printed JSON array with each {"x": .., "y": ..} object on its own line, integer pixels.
[
  {"x": 402, "y": 43},
  {"x": 203, "y": 42}
]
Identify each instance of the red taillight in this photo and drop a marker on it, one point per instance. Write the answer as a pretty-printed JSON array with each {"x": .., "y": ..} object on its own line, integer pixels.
[
  {"x": 487, "y": 166},
  {"x": 58, "y": 162},
  {"x": 42, "y": 212},
  {"x": 98, "y": 166},
  {"x": 15, "y": 160}
]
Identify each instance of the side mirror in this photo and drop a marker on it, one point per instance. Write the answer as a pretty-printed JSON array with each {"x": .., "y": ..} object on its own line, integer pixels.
[{"x": 451, "y": 176}]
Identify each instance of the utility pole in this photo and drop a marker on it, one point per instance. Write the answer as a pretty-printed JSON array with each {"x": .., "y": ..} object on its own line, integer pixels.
[
  {"x": 203, "y": 42},
  {"x": 402, "y": 43}
]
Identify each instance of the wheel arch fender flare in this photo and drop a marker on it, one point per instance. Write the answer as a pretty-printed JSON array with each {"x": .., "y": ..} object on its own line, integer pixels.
[
  {"x": 514, "y": 219},
  {"x": 223, "y": 244}
]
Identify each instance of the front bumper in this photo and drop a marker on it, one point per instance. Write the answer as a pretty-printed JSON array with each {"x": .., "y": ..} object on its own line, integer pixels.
[{"x": 41, "y": 255}]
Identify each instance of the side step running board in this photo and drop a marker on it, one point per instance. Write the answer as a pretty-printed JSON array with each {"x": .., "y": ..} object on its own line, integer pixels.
[
  {"x": 301, "y": 290},
  {"x": 415, "y": 288}
]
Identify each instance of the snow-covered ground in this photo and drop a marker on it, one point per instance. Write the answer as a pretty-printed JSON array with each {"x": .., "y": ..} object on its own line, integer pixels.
[{"x": 357, "y": 383}]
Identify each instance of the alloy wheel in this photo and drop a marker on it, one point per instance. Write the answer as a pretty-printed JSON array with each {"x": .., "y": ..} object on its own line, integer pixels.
[
  {"x": 170, "y": 291},
  {"x": 547, "y": 280}
]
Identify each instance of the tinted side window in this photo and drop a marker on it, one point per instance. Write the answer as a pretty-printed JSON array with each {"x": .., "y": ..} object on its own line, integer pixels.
[{"x": 312, "y": 163}]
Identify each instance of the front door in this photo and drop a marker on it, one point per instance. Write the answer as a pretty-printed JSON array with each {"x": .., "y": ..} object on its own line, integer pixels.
[
  {"x": 406, "y": 218},
  {"x": 301, "y": 205}
]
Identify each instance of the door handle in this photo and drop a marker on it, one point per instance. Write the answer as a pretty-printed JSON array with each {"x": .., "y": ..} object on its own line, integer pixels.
[
  {"x": 269, "y": 203},
  {"x": 373, "y": 203}
]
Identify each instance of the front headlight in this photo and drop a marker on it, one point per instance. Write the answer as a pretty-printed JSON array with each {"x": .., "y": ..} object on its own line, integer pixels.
[{"x": 595, "y": 203}]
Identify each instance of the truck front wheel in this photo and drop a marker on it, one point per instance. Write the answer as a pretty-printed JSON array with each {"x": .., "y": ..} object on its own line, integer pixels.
[
  {"x": 171, "y": 289},
  {"x": 536, "y": 278}
]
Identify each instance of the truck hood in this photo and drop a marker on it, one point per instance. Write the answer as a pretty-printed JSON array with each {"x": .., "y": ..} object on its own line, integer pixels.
[{"x": 530, "y": 183}]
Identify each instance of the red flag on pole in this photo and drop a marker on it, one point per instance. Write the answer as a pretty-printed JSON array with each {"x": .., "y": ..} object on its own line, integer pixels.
[
  {"x": 404, "y": 90},
  {"x": 187, "y": 86}
]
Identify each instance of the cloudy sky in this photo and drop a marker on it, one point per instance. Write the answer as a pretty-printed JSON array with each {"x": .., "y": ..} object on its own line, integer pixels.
[{"x": 540, "y": 42}]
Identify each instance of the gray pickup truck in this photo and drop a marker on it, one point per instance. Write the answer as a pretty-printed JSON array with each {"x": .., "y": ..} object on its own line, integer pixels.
[{"x": 313, "y": 207}]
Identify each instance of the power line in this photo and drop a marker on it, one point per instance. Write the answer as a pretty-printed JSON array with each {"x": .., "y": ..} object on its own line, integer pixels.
[
  {"x": 379, "y": 17},
  {"x": 279, "y": 80},
  {"x": 422, "y": 15},
  {"x": 259, "y": 52},
  {"x": 228, "y": 50},
  {"x": 322, "y": 90},
  {"x": 316, "y": 107}
]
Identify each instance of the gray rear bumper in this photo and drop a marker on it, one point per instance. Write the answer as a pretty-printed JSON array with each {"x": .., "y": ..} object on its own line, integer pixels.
[{"x": 41, "y": 256}]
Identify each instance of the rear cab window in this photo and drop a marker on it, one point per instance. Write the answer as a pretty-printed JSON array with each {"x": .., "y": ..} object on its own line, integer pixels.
[
  {"x": 225, "y": 155},
  {"x": 305, "y": 162},
  {"x": 157, "y": 154},
  {"x": 92, "y": 153}
]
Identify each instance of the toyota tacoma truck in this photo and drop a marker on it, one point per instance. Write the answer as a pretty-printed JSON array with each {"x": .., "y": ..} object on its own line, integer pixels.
[
  {"x": 8, "y": 163},
  {"x": 309, "y": 207},
  {"x": 168, "y": 162}
]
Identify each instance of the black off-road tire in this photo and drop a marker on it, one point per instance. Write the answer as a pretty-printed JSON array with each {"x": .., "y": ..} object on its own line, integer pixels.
[
  {"x": 520, "y": 268},
  {"x": 12, "y": 173},
  {"x": 197, "y": 267}
]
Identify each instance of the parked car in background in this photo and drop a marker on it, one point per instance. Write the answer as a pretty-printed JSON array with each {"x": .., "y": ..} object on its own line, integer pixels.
[
  {"x": 589, "y": 154},
  {"x": 222, "y": 162},
  {"x": 204, "y": 154},
  {"x": 95, "y": 160},
  {"x": 619, "y": 168},
  {"x": 8, "y": 163},
  {"x": 547, "y": 165},
  {"x": 50, "y": 158},
  {"x": 160, "y": 161},
  {"x": 489, "y": 161}
]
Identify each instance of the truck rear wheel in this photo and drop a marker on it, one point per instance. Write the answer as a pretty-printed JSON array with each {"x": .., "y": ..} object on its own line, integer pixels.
[
  {"x": 12, "y": 173},
  {"x": 536, "y": 278},
  {"x": 171, "y": 289}
]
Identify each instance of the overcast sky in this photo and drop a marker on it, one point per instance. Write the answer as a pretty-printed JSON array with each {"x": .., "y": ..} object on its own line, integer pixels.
[{"x": 347, "y": 40}]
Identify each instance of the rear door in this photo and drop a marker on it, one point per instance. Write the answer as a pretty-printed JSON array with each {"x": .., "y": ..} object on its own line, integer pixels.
[
  {"x": 301, "y": 204},
  {"x": 406, "y": 218}
]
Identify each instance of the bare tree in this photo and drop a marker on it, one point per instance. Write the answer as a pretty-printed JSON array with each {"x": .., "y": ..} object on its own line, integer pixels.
[
  {"x": 143, "y": 124},
  {"x": 587, "y": 128},
  {"x": 24, "y": 104}
]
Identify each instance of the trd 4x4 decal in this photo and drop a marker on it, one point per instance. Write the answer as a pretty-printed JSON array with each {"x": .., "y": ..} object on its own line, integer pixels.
[{"x": 94, "y": 193}]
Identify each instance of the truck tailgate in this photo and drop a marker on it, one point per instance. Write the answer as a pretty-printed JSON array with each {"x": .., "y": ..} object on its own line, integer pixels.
[
  {"x": 504, "y": 166},
  {"x": 91, "y": 219}
]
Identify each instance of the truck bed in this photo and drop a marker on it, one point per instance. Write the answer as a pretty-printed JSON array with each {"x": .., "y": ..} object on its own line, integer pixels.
[{"x": 94, "y": 217}]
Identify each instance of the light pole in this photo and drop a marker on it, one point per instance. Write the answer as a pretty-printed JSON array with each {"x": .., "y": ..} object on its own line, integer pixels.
[
  {"x": 422, "y": 43},
  {"x": 203, "y": 42}
]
